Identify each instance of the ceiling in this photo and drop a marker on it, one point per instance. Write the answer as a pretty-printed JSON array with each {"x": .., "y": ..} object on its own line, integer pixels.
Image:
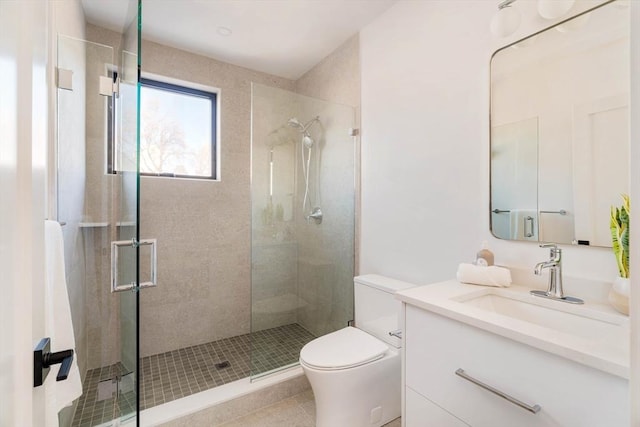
[{"x": 285, "y": 38}]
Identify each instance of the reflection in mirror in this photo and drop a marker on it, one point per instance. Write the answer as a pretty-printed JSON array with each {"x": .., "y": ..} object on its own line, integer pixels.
[
  {"x": 514, "y": 181},
  {"x": 559, "y": 130}
]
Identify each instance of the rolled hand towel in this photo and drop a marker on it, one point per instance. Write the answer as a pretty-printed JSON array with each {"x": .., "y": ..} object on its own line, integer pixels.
[{"x": 487, "y": 276}]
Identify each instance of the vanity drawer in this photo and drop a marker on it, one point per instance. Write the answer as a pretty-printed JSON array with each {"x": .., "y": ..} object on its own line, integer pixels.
[
  {"x": 423, "y": 412},
  {"x": 569, "y": 394}
]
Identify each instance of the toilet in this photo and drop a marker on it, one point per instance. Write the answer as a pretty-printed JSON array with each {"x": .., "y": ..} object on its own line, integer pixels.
[{"x": 355, "y": 371}]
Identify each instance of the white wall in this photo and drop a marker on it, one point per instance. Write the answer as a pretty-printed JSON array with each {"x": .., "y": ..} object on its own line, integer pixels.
[
  {"x": 425, "y": 144},
  {"x": 424, "y": 148}
]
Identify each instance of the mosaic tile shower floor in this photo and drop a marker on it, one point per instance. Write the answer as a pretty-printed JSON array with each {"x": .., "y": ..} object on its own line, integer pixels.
[{"x": 179, "y": 373}]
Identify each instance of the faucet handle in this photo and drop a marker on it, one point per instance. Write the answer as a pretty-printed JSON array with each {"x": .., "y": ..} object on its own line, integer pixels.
[{"x": 554, "y": 250}]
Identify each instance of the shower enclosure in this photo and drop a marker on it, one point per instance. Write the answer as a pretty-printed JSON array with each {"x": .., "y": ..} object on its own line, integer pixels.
[{"x": 171, "y": 294}]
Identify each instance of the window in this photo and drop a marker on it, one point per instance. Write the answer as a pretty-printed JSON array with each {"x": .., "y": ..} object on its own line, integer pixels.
[{"x": 177, "y": 131}]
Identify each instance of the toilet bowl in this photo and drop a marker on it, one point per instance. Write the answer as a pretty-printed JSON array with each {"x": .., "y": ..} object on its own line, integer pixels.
[{"x": 355, "y": 372}]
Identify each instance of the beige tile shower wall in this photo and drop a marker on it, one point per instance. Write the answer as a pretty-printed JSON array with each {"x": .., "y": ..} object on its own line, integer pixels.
[
  {"x": 103, "y": 323},
  {"x": 202, "y": 227},
  {"x": 326, "y": 252},
  {"x": 337, "y": 77}
]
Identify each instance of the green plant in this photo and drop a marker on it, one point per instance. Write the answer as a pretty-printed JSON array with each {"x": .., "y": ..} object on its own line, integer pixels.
[{"x": 620, "y": 235}]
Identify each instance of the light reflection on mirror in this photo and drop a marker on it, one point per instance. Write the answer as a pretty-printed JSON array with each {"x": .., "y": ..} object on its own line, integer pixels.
[{"x": 559, "y": 130}]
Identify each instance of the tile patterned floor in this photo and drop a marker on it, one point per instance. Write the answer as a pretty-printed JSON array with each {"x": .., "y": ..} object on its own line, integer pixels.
[
  {"x": 175, "y": 374},
  {"x": 93, "y": 412},
  {"x": 277, "y": 347}
]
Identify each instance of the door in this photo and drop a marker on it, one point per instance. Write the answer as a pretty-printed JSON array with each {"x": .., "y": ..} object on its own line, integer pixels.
[
  {"x": 23, "y": 126},
  {"x": 98, "y": 202},
  {"x": 600, "y": 139}
]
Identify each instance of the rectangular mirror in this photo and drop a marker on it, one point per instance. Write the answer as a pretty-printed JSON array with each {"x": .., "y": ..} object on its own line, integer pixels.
[{"x": 560, "y": 130}]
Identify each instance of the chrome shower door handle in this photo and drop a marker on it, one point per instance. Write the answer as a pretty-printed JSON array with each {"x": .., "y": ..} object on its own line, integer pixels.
[
  {"x": 115, "y": 273},
  {"x": 153, "y": 263}
]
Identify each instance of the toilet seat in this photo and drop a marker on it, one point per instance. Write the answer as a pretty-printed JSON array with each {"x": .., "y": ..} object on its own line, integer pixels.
[{"x": 346, "y": 348}]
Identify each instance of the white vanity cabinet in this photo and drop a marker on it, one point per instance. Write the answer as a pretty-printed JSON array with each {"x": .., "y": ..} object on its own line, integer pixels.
[{"x": 569, "y": 394}]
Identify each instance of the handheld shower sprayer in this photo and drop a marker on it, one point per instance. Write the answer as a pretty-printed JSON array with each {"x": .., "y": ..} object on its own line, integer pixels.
[
  {"x": 307, "y": 140},
  {"x": 307, "y": 144}
]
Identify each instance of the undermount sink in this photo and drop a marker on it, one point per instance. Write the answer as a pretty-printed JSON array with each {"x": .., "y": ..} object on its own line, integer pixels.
[{"x": 577, "y": 321}]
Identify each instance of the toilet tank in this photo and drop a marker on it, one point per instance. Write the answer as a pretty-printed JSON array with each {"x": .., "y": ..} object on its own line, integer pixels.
[{"x": 377, "y": 310}]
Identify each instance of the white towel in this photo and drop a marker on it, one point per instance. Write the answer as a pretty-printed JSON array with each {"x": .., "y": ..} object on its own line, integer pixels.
[
  {"x": 59, "y": 326},
  {"x": 487, "y": 276}
]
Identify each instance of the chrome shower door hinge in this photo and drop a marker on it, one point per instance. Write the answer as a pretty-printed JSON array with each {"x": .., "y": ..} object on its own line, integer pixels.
[{"x": 64, "y": 79}]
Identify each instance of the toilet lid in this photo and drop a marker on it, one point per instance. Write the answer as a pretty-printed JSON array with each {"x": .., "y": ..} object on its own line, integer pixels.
[{"x": 342, "y": 349}]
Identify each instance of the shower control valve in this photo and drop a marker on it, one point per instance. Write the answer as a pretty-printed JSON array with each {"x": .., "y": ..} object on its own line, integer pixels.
[{"x": 316, "y": 215}]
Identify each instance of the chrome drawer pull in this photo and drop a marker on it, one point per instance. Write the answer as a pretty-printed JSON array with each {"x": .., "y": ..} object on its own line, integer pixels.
[{"x": 533, "y": 409}]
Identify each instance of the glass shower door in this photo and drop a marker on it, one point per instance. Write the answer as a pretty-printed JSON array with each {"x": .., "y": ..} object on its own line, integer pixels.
[
  {"x": 98, "y": 200},
  {"x": 303, "y": 223}
]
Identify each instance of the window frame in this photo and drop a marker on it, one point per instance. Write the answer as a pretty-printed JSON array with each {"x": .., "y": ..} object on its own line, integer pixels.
[{"x": 156, "y": 82}]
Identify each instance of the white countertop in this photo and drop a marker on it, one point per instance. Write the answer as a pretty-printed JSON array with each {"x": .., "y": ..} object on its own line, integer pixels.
[{"x": 608, "y": 352}]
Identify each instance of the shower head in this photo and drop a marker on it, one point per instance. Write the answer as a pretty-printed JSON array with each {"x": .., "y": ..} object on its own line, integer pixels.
[
  {"x": 294, "y": 123},
  {"x": 307, "y": 141}
]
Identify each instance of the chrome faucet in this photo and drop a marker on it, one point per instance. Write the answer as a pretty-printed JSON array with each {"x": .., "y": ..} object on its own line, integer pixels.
[
  {"x": 555, "y": 270},
  {"x": 554, "y": 264}
]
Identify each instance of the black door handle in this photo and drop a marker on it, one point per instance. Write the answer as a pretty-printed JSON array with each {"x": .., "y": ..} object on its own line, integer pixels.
[{"x": 43, "y": 358}]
